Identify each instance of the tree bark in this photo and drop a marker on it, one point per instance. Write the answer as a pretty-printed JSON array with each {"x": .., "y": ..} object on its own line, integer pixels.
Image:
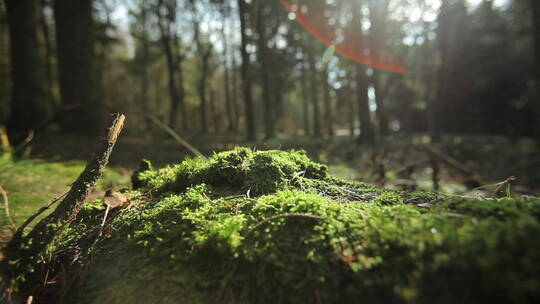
[
  {"x": 264, "y": 72},
  {"x": 328, "y": 115},
  {"x": 30, "y": 105},
  {"x": 305, "y": 99},
  {"x": 169, "y": 41},
  {"x": 5, "y": 81},
  {"x": 367, "y": 134},
  {"x": 226, "y": 75},
  {"x": 204, "y": 52},
  {"x": 79, "y": 84},
  {"x": 378, "y": 11},
  {"x": 317, "y": 132},
  {"x": 535, "y": 8},
  {"x": 246, "y": 77}
]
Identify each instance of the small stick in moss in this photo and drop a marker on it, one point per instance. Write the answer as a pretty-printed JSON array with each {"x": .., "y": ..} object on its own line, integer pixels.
[
  {"x": 6, "y": 208},
  {"x": 287, "y": 215}
]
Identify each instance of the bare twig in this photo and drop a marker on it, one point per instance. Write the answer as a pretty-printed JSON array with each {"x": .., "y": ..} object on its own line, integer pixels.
[
  {"x": 29, "y": 220},
  {"x": 175, "y": 136},
  {"x": 6, "y": 208},
  {"x": 287, "y": 215},
  {"x": 447, "y": 160}
]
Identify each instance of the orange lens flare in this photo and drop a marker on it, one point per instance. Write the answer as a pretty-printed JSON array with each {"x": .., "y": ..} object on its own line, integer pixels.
[{"x": 353, "y": 44}]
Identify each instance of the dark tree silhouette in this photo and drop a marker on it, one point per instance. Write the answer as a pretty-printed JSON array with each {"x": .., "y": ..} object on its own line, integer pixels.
[
  {"x": 79, "y": 85},
  {"x": 31, "y": 105}
]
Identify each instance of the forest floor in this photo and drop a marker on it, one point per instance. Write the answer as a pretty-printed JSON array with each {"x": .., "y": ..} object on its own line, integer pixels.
[{"x": 55, "y": 161}]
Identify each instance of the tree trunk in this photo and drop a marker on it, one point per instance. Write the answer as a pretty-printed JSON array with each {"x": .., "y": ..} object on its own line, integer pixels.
[
  {"x": 144, "y": 64},
  {"x": 328, "y": 116},
  {"x": 79, "y": 84},
  {"x": 382, "y": 116},
  {"x": 314, "y": 95},
  {"x": 378, "y": 10},
  {"x": 205, "y": 57},
  {"x": 226, "y": 77},
  {"x": 5, "y": 81},
  {"x": 48, "y": 47},
  {"x": 535, "y": 8},
  {"x": 305, "y": 100},
  {"x": 204, "y": 51},
  {"x": 172, "y": 81},
  {"x": 246, "y": 77},
  {"x": 264, "y": 72},
  {"x": 367, "y": 135},
  {"x": 441, "y": 99},
  {"x": 234, "y": 91},
  {"x": 30, "y": 107}
]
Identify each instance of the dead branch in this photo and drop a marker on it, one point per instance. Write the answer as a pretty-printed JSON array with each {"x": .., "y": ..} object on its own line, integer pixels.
[
  {"x": 26, "y": 250},
  {"x": 175, "y": 136},
  {"x": 29, "y": 220},
  {"x": 6, "y": 208},
  {"x": 452, "y": 163}
]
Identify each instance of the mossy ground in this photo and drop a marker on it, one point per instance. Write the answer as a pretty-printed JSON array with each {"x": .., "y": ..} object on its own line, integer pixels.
[{"x": 274, "y": 227}]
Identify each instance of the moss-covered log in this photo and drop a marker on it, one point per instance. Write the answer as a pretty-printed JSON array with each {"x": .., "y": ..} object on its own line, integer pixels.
[{"x": 273, "y": 227}]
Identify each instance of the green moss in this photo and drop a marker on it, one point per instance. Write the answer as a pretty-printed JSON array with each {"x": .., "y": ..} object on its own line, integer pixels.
[{"x": 305, "y": 237}]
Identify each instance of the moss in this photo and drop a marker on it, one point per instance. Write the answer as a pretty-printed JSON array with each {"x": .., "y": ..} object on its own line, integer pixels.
[
  {"x": 304, "y": 237},
  {"x": 259, "y": 172}
]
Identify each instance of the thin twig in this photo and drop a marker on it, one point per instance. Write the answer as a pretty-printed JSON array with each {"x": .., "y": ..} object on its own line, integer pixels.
[
  {"x": 287, "y": 215},
  {"x": 6, "y": 208},
  {"x": 175, "y": 136},
  {"x": 38, "y": 213}
]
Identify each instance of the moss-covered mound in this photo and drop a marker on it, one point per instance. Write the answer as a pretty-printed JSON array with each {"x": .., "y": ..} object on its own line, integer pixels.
[{"x": 273, "y": 227}]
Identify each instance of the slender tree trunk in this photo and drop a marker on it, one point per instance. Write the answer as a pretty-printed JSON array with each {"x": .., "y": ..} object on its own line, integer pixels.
[
  {"x": 378, "y": 10},
  {"x": 205, "y": 57},
  {"x": 226, "y": 77},
  {"x": 264, "y": 72},
  {"x": 305, "y": 100},
  {"x": 246, "y": 77},
  {"x": 314, "y": 96},
  {"x": 328, "y": 115},
  {"x": 5, "y": 81},
  {"x": 535, "y": 8},
  {"x": 367, "y": 134},
  {"x": 30, "y": 107},
  {"x": 173, "y": 90},
  {"x": 442, "y": 89},
  {"x": 349, "y": 101},
  {"x": 144, "y": 64},
  {"x": 48, "y": 47},
  {"x": 382, "y": 115},
  {"x": 204, "y": 51},
  {"x": 234, "y": 92}
]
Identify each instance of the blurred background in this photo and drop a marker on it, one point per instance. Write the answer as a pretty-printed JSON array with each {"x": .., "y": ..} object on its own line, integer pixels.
[{"x": 410, "y": 94}]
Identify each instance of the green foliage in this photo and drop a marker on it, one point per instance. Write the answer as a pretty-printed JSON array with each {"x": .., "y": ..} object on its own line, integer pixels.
[{"x": 304, "y": 239}]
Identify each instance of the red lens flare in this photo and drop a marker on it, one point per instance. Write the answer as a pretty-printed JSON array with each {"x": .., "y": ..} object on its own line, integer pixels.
[{"x": 354, "y": 42}]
